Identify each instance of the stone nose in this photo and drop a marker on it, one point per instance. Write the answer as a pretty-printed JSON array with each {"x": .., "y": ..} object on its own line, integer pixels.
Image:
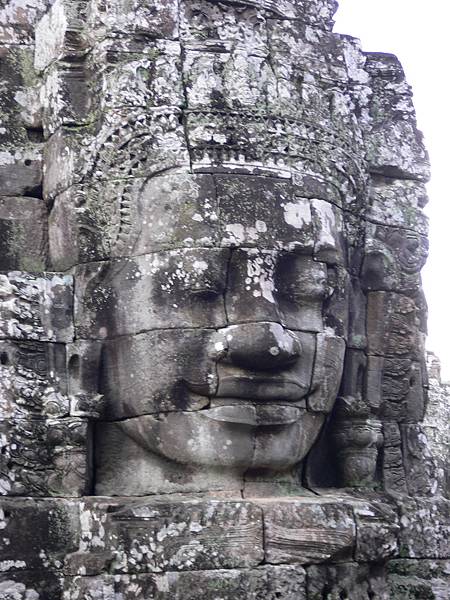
[{"x": 261, "y": 346}]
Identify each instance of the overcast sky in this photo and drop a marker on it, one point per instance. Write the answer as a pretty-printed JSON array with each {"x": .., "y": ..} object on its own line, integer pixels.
[{"x": 417, "y": 32}]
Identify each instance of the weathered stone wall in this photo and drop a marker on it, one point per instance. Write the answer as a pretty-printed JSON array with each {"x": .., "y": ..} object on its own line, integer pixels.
[
  {"x": 437, "y": 417},
  {"x": 166, "y": 547},
  {"x": 113, "y": 113}
]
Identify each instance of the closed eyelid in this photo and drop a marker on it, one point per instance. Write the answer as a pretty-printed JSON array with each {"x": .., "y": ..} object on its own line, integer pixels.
[
  {"x": 294, "y": 290},
  {"x": 302, "y": 270}
]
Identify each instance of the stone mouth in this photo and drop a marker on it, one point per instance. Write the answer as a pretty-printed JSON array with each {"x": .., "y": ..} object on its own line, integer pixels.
[{"x": 254, "y": 415}]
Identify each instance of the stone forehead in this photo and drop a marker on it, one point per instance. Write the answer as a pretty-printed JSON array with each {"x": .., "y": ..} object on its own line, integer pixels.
[
  {"x": 242, "y": 211},
  {"x": 183, "y": 210}
]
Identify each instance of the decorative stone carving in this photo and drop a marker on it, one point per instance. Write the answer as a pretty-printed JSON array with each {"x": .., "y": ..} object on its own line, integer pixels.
[
  {"x": 357, "y": 439},
  {"x": 211, "y": 314}
]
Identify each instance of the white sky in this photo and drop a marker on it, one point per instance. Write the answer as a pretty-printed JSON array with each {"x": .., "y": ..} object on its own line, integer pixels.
[{"x": 417, "y": 32}]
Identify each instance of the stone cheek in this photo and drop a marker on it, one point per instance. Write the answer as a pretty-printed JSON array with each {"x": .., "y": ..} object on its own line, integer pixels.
[{"x": 136, "y": 383}]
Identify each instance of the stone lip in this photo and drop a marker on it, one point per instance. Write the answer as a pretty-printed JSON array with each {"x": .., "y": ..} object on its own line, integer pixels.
[
  {"x": 262, "y": 388},
  {"x": 254, "y": 415}
]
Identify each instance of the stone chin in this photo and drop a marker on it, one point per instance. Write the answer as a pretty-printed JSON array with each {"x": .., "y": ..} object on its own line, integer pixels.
[{"x": 243, "y": 436}]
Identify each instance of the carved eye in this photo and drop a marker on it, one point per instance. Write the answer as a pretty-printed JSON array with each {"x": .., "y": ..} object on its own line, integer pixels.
[
  {"x": 206, "y": 294},
  {"x": 300, "y": 279},
  {"x": 412, "y": 244}
]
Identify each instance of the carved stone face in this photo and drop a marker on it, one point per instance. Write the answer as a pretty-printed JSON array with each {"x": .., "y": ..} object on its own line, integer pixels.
[{"x": 218, "y": 347}]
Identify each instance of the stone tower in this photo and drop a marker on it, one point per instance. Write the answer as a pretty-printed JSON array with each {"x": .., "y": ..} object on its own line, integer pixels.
[{"x": 212, "y": 366}]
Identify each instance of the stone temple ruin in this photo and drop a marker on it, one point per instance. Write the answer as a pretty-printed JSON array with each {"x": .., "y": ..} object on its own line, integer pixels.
[{"x": 213, "y": 377}]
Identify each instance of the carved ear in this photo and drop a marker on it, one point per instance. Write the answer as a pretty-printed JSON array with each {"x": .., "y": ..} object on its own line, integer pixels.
[
  {"x": 375, "y": 269},
  {"x": 84, "y": 366}
]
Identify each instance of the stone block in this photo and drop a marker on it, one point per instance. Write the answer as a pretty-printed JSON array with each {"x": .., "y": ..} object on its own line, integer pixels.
[
  {"x": 394, "y": 387},
  {"x": 179, "y": 289},
  {"x": 288, "y": 92},
  {"x": 398, "y": 203},
  {"x": 302, "y": 286},
  {"x": 23, "y": 234},
  {"x": 17, "y": 17},
  {"x": 111, "y": 587},
  {"x": 392, "y": 326},
  {"x": 424, "y": 527},
  {"x": 155, "y": 142},
  {"x": 393, "y": 469},
  {"x": 135, "y": 74},
  {"x": 393, "y": 259},
  {"x": 234, "y": 80},
  {"x": 420, "y": 465},
  {"x": 59, "y": 34},
  {"x": 33, "y": 381},
  {"x": 185, "y": 535},
  {"x": 36, "y": 307},
  {"x": 268, "y": 582},
  {"x": 395, "y": 145},
  {"x": 206, "y": 25},
  {"x": 244, "y": 211},
  {"x": 347, "y": 580},
  {"x": 21, "y": 170},
  {"x": 327, "y": 56},
  {"x": 36, "y": 534},
  {"x": 329, "y": 246},
  {"x": 155, "y": 19},
  {"x": 256, "y": 143},
  {"x": 265, "y": 582},
  {"x": 397, "y": 150},
  {"x": 65, "y": 162},
  {"x": 373, "y": 380},
  {"x": 327, "y": 373},
  {"x": 248, "y": 373},
  {"x": 83, "y": 360},
  {"x": 19, "y": 96},
  {"x": 126, "y": 467},
  {"x": 66, "y": 98},
  {"x": 320, "y": 16},
  {"x": 306, "y": 531},
  {"x": 402, "y": 390},
  {"x": 48, "y": 539},
  {"x": 339, "y": 297},
  {"x": 357, "y": 322},
  {"x": 268, "y": 285},
  {"x": 15, "y": 35},
  {"x": 31, "y": 585},
  {"x": 355, "y": 370},
  {"x": 306, "y": 186},
  {"x": 45, "y": 458},
  {"x": 250, "y": 293},
  {"x": 180, "y": 210},
  {"x": 411, "y": 579},
  {"x": 115, "y": 75},
  {"x": 84, "y": 229},
  {"x": 145, "y": 445},
  {"x": 377, "y": 527}
]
